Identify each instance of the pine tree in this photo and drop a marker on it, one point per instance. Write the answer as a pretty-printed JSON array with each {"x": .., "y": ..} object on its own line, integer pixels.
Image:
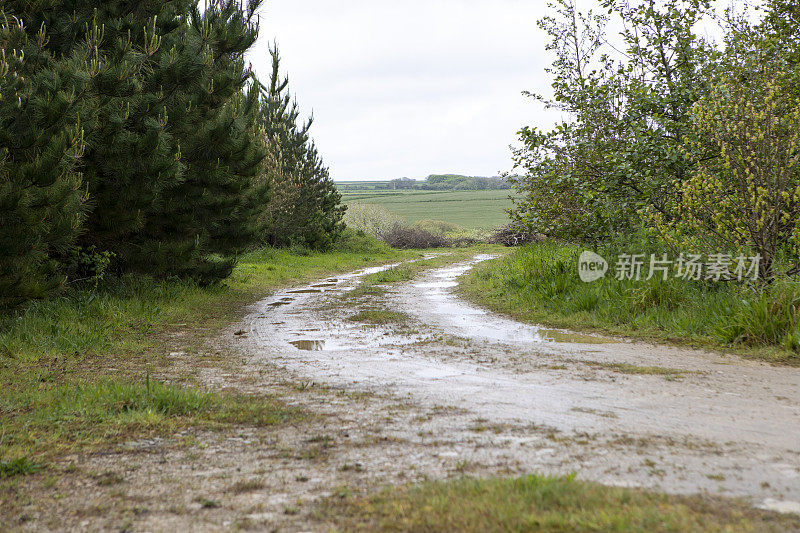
[
  {"x": 41, "y": 142},
  {"x": 172, "y": 141},
  {"x": 207, "y": 218},
  {"x": 184, "y": 146},
  {"x": 306, "y": 207}
]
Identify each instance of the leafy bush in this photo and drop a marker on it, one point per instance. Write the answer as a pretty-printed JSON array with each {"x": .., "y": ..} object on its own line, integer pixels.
[
  {"x": 377, "y": 221},
  {"x": 353, "y": 241},
  {"x": 439, "y": 227}
]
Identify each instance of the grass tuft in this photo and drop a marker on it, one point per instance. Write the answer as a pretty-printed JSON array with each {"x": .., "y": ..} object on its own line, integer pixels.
[
  {"x": 373, "y": 316},
  {"x": 540, "y": 503},
  {"x": 391, "y": 275},
  {"x": 21, "y": 466}
]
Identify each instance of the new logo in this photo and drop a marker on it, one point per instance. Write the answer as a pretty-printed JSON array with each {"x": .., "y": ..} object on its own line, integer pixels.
[{"x": 591, "y": 267}]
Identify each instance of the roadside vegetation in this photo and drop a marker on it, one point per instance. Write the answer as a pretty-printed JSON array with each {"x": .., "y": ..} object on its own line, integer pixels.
[
  {"x": 674, "y": 147},
  {"x": 539, "y": 284},
  {"x": 82, "y": 371},
  {"x": 140, "y": 141},
  {"x": 537, "y": 503}
]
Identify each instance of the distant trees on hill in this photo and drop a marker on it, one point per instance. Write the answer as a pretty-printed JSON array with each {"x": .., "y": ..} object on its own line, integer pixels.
[{"x": 449, "y": 182}]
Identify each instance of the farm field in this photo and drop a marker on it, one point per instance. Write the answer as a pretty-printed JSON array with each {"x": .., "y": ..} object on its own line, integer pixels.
[{"x": 469, "y": 209}]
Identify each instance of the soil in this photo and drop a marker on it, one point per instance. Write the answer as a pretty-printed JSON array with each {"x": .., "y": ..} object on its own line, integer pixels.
[{"x": 444, "y": 389}]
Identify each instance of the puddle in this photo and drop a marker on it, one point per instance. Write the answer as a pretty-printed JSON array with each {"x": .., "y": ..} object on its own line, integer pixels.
[
  {"x": 278, "y": 303},
  {"x": 304, "y": 291},
  {"x": 324, "y": 285},
  {"x": 478, "y": 322},
  {"x": 308, "y": 345},
  {"x": 574, "y": 338},
  {"x": 780, "y": 506}
]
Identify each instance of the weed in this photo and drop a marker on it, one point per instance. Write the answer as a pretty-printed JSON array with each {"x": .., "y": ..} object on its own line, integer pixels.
[
  {"x": 378, "y": 317},
  {"x": 18, "y": 467},
  {"x": 245, "y": 486},
  {"x": 540, "y": 503},
  {"x": 106, "y": 479},
  {"x": 207, "y": 503}
]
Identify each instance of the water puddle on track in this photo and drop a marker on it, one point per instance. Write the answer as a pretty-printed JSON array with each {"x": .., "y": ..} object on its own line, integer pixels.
[
  {"x": 712, "y": 406},
  {"x": 478, "y": 322},
  {"x": 308, "y": 345}
]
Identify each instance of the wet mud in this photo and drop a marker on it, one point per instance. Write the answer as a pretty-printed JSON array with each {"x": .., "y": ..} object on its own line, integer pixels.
[{"x": 615, "y": 411}]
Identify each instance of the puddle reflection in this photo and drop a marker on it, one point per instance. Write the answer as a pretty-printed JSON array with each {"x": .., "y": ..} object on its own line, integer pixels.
[{"x": 308, "y": 345}]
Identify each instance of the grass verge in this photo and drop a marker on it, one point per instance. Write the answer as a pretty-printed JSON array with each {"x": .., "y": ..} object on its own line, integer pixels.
[
  {"x": 540, "y": 284},
  {"x": 537, "y": 503},
  {"x": 74, "y": 370}
]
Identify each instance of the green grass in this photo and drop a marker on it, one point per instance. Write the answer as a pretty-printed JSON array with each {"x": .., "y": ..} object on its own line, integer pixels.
[
  {"x": 391, "y": 275},
  {"x": 472, "y": 210},
  {"x": 538, "y": 503},
  {"x": 442, "y": 257},
  {"x": 635, "y": 370},
  {"x": 86, "y": 414},
  {"x": 73, "y": 369},
  {"x": 21, "y": 466},
  {"x": 540, "y": 284},
  {"x": 376, "y": 316}
]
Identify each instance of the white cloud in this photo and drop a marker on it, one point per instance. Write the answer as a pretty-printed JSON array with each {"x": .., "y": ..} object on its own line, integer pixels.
[{"x": 410, "y": 88}]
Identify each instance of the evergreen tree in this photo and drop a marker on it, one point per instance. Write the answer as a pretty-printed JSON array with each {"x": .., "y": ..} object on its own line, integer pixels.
[
  {"x": 41, "y": 141},
  {"x": 172, "y": 143},
  {"x": 195, "y": 226},
  {"x": 306, "y": 207}
]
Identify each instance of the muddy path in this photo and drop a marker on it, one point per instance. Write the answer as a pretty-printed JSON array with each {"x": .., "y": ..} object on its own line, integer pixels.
[
  {"x": 614, "y": 411},
  {"x": 405, "y": 383}
]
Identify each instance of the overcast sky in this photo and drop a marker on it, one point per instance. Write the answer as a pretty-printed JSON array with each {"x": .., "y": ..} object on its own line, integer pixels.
[{"x": 410, "y": 88}]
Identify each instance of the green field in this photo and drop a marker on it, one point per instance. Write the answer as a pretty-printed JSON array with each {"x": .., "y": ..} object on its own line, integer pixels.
[{"x": 469, "y": 209}]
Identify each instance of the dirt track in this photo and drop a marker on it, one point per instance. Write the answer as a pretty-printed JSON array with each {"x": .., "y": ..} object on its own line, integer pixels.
[
  {"x": 448, "y": 390},
  {"x": 699, "y": 421}
]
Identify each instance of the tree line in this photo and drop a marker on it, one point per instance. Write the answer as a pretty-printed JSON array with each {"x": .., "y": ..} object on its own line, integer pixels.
[
  {"x": 670, "y": 137},
  {"x": 135, "y": 137},
  {"x": 449, "y": 182}
]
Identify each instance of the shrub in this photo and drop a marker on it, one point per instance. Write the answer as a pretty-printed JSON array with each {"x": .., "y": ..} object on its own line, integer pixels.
[
  {"x": 402, "y": 236},
  {"x": 439, "y": 227},
  {"x": 377, "y": 221},
  {"x": 372, "y": 219},
  {"x": 353, "y": 241},
  {"x": 514, "y": 235}
]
